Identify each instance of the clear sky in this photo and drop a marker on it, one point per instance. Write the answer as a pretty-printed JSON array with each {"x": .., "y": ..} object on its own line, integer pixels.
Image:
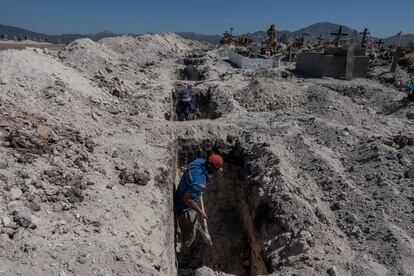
[{"x": 382, "y": 17}]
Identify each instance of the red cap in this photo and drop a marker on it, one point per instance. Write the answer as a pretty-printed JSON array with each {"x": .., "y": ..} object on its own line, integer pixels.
[{"x": 216, "y": 161}]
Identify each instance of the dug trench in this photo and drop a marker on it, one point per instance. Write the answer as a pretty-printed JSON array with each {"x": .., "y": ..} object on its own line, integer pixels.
[
  {"x": 193, "y": 60},
  {"x": 203, "y": 97},
  {"x": 191, "y": 73},
  {"x": 236, "y": 248}
]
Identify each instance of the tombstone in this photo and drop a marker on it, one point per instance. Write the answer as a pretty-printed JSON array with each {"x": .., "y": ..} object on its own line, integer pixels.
[
  {"x": 304, "y": 40},
  {"x": 350, "y": 56},
  {"x": 269, "y": 45},
  {"x": 335, "y": 62},
  {"x": 227, "y": 38},
  {"x": 397, "y": 54},
  {"x": 395, "y": 59},
  {"x": 252, "y": 63},
  {"x": 291, "y": 51},
  {"x": 272, "y": 32}
]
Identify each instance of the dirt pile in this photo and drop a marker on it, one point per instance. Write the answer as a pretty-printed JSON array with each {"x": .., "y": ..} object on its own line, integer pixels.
[
  {"x": 261, "y": 95},
  {"x": 318, "y": 181}
]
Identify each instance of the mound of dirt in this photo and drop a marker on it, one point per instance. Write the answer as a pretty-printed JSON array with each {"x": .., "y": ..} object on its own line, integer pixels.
[{"x": 264, "y": 95}]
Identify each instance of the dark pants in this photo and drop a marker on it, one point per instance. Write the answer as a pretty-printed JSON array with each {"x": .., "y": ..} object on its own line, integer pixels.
[{"x": 187, "y": 221}]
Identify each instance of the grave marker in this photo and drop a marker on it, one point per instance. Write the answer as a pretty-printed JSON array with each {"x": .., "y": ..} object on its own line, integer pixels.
[
  {"x": 364, "y": 37},
  {"x": 379, "y": 43},
  {"x": 338, "y": 36},
  {"x": 395, "y": 59},
  {"x": 397, "y": 54},
  {"x": 350, "y": 56}
]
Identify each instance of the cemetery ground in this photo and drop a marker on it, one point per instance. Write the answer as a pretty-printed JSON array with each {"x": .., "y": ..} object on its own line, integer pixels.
[{"x": 319, "y": 175}]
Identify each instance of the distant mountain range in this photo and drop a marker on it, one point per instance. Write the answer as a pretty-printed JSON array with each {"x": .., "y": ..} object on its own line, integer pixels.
[
  {"x": 12, "y": 32},
  {"x": 213, "y": 39},
  {"x": 323, "y": 29},
  {"x": 393, "y": 40}
]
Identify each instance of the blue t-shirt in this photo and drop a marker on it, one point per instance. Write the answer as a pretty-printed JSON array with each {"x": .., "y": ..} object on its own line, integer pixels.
[
  {"x": 411, "y": 85},
  {"x": 193, "y": 181}
]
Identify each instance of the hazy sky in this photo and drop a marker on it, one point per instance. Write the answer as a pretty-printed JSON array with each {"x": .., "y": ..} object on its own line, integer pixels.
[{"x": 382, "y": 17}]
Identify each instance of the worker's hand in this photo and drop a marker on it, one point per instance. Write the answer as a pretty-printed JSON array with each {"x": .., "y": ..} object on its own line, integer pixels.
[{"x": 203, "y": 215}]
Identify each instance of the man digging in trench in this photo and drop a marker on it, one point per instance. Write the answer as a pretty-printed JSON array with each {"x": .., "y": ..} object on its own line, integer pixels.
[
  {"x": 189, "y": 192},
  {"x": 410, "y": 88}
]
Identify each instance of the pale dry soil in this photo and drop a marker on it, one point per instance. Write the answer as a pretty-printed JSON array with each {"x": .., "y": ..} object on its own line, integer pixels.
[{"x": 319, "y": 175}]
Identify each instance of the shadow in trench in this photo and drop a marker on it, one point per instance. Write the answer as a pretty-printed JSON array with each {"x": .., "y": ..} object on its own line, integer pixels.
[
  {"x": 193, "y": 61},
  {"x": 191, "y": 73},
  {"x": 236, "y": 249}
]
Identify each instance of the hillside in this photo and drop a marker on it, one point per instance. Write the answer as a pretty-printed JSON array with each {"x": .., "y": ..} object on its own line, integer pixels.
[
  {"x": 324, "y": 28},
  {"x": 11, "y": 32},
  {"x": 394, "y": 40},
  {"x": 213, "y": 39}
]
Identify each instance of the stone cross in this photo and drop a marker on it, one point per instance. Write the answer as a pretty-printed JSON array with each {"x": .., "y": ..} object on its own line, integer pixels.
[
  {"x": 338, "y": 36},
  {"x": 399, "y": 38},
  {"x": 379, "y": 43},
  {"x": 350, "y": 56},
  {"x": 364, "y": 37}
]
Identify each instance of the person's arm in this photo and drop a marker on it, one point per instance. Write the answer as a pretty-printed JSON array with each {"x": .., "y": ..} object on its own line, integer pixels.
[{"x": 189, "y": 201}]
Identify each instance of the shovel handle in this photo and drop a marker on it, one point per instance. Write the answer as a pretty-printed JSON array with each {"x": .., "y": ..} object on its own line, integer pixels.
[
  {"x": 206, "y": 233},
  {"x": 202, "y": 208}
]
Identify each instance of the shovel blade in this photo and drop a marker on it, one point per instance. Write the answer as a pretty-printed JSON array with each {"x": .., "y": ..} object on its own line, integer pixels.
[{"x": 206, "y": 237}]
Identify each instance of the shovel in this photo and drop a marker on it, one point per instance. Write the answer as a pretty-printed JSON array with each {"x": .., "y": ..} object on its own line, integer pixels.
[{"x": 204, "y": 230}]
